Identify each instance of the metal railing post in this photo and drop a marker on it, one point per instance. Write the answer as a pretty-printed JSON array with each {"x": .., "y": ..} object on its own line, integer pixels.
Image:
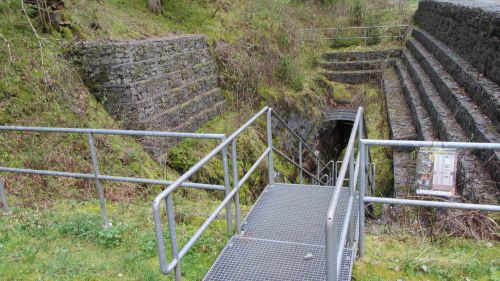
[
  {"x": 6, "y": 209},
  {"x": 227, "y": 185},
  {"x": 334, "y": 176},
  {"x": 362, "y": 190},
  {"x": 169, "y": 201},
  {"x": 234, "y": 163},
  {"x": 352, "y": 193},
  {"x": 318, "y": 166},
  {"x": 300, "y": 161},
  {"x": 100, "y": 189},
  {"x": 270, "y": 146},
  {"x": 332, "y": 248}
]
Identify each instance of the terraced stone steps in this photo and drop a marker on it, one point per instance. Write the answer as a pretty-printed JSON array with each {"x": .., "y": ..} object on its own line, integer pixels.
[
  {"x": 160, "y": 84},
  {"x": 473, "y": 179},
  {"x": 354, "y": 77},
  {"x": 175, "y": 115},
  {"x": 478, "y": 126},
  {"x": 421, "y": 119},
  {"x": 402, "y": 128},
  {"x": 484, "y": 92},
  {"x": 362, "y": 56},
  {"x": 400, "y": 120},
  {"x": 355, "y": 65}
]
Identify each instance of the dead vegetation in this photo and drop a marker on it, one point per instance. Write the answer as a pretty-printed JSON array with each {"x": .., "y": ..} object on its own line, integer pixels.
[{"x": 438, "y": 223}]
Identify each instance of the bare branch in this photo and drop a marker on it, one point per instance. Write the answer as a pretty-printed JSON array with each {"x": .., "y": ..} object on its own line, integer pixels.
[
  {"x": 34, "y": 31},
  {"x": 8, "y": 47}
]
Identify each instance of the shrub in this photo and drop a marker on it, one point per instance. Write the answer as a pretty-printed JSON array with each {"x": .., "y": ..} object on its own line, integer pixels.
[
  {"x": 110, "y": 237},
  {"x": 81, "y": 226},
  {"x": 357, "y": 11},
  {"x": 290, "y": 74}
]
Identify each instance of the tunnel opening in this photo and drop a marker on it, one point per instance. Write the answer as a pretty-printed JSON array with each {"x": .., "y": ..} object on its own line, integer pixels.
[{"x": 333, "y": 138}]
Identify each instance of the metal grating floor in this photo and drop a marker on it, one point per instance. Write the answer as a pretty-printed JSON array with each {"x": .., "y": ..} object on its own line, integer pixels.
[
  {"x": 290, "y": 213},
  {"x": 256, "y": 259},
  {"x": 286, "y": 224}
]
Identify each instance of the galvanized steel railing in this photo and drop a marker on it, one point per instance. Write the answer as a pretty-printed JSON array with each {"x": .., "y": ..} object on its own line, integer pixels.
[
  {"x": 231, "y": 194},
  {"x": 365, "y": 144},
  {"x": 336, "y": 238},
  {"x": 363, "y": 32},
  {"x": 96, "y": 175}
]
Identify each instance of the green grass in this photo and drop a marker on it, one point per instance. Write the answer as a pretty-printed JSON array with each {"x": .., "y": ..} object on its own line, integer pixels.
[
  {"x": 67, "y": 242},
  {"x": 401, "y": 254}
]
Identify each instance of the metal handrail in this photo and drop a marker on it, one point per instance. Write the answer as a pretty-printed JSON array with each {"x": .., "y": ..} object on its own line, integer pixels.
[
  {"x": 354, "y": 27},
  {"x": 364, "y": 29},
  {"x": 166, "y": 194},
  {"x": 96, "y": 175},
  {"x": 300, "y": 139},
  {"x": 113, "y": 132},
  {"x": 333, "y": 248},
  {"x": 364, "y": 147},
  {"x": 283, "y": 155}
]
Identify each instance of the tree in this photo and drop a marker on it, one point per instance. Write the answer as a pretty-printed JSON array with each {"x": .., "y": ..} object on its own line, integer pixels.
[{"x": 154, "y": 6}]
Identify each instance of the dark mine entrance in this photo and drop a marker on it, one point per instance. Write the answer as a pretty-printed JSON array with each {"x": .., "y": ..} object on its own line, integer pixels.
[{"x": 335, "y": 131}]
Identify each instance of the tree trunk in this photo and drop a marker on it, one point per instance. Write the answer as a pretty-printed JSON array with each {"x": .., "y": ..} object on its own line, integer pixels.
[{"x": 154, "y": 6}]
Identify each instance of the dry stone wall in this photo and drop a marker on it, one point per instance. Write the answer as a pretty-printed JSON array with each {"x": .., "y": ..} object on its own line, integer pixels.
[
  {"x": 471, "y": 28},
  {"x": 165, "y": 84}
]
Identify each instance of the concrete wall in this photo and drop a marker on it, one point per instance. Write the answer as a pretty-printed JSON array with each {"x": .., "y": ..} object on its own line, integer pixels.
[
  {"x": 471, "y": 28},
  {"x": 166, "y": 84}
]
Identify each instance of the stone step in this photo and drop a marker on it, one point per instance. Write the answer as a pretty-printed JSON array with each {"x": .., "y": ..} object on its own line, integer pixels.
[
  {"x": 421, "y": 119},
  {"x": 177, "y": 114},
  {"x": 175, "y": 78},
  {"x": 159, "y": 103},
  {"x": 475, "y": 124},
  {"x": 158, "y": 146},
  {"x": 473, "y": 181},
  {"x": 142, "y": 70},
  {"x": 354, "y": 77},
  {"x": 356, "y": 65},
  {"x": 484, "y": 92},
  {"x": 400, "y": 120},
  {"x": 124, "y": 99},
  {"x": 358, "y": 56},
  {"x": 404, "y": 172},
  {"x": 402, "y": 128}
]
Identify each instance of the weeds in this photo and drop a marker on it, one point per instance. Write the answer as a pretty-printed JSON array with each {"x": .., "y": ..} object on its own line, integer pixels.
[
  {"x": 87, "y": 227},
  {"x": 289, "y": 73}
]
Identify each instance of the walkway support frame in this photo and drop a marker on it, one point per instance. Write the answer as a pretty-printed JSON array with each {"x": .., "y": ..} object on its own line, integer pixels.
[{"x": 232, "y": 194}]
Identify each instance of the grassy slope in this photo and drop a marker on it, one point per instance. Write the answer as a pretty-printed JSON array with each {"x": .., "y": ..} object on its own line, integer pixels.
[
  {"x": 65, "y": 242},
  {"x": 394, "y": 253}
]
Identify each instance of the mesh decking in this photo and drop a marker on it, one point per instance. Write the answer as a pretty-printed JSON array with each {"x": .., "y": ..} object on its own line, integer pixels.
[
  {"x": 283, "y": 238},
  {"x": 255, "y": 259},
  {"x": 290, "y": 213}
]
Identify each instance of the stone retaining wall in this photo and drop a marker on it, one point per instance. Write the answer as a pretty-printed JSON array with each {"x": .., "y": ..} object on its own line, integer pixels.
[
  {"x": 165, "y": 84},
  {"x": 472, "y": 28}
]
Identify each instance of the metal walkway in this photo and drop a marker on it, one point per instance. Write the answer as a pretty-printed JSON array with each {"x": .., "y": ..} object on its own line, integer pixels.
[
  {"x": 283, "y": 237},
  {"x": 294, "y": 231}
]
